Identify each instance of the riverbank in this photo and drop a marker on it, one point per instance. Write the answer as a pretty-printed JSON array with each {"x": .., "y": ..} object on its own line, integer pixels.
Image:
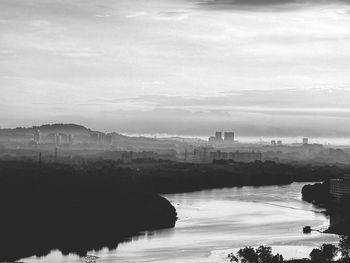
[
  {"x": 214, "y": 222},
  {"x": 338, "y": 210},
  {"x": 43, "y": 209},
  {"x": 36, "y": 225}
]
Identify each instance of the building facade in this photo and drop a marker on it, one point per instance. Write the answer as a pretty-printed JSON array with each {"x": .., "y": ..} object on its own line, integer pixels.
[
  {"x": 340, "y": 188},
  {"x": 237, "y": 156},
  {"x": 201, "y": 154},
  {"x": 245, "y": 157},
  {"x": 218, "y": 136},
  {"x": 229, "y": 136},
  {"x": 37, "y": 137}
]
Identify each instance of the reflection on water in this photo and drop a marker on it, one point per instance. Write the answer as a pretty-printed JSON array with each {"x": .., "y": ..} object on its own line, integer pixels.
[
  {"x": 149, "y": 235},
  {"x": 214, "y": 222}
]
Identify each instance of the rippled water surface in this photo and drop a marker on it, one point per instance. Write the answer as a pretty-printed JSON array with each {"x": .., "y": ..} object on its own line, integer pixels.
[{"x": 215, "y": 222}]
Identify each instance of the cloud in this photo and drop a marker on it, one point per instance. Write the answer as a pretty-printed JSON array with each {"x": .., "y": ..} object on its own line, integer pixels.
[
  {"x": 147, "y": 69},
  {"x": 137, "y": 14},
  {"x": 265, "y": 5},
  {"x": 79, "y": 53},
  {"x": 175, "y": 15},
  {"x": 103, "y": 15},
  {"x": 204, "y": 123},
  {"x": 285, "y": 100},
  {"x": 290, "y": 112},
  {"x": 6, "y": 52}
]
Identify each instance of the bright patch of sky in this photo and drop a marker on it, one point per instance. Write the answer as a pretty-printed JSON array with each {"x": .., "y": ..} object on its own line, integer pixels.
[{"x": 177, "y": 66}]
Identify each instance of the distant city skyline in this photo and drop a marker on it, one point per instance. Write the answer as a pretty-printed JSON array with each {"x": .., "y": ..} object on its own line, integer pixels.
[
  {"x": 279, "y": 140},
  {"x": 260, "y": 68}
]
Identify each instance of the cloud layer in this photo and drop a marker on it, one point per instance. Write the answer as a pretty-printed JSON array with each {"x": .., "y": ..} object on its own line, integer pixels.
[
  {"x": 177, "y": 66},
  {"x": 267, "y": 5}
]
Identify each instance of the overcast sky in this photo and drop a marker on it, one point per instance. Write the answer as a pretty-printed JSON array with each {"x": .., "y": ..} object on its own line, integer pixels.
[{"x": 259, "y": 67}]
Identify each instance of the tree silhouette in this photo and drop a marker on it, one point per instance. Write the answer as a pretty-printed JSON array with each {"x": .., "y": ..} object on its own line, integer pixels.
[
  {"x": 248, "y": 255},
  {"x": 325, "y": 253},
  {"x": 344, "y": 248},
  {"x": 263, "y": 254}
]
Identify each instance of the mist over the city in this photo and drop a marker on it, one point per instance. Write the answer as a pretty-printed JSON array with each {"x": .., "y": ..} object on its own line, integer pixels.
[{"x": 175, "y": 131}]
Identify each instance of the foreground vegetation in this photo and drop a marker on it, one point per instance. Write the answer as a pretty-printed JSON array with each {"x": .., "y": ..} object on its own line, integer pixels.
[
  {"x": 165, "y": 177},
  {"x": 323, "y": 254},
  {"x": 47, "y": 207}
]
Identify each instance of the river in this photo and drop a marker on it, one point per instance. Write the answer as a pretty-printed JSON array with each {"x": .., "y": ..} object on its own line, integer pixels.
[{"x": 213, "y": 223}]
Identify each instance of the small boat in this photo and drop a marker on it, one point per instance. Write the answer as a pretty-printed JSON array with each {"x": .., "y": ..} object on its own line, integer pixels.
[{"x": 307, "y": 229}]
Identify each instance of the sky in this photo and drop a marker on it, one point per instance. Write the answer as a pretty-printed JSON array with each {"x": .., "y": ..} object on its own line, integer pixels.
[{"x": 185, "y": 67}]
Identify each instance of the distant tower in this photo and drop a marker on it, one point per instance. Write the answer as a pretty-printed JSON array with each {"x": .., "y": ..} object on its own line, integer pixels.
[
  {"x": 37, "y": 137},
  {"x": 229, "y": 136},
  {"x": 305, "y": 140},
  {"x": 218, "y": 136},
  {"x": 58, "y": 139}
]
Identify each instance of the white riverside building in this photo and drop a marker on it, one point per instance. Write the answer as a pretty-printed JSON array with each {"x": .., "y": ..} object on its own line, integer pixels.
[{"x": 340, "y": 188}]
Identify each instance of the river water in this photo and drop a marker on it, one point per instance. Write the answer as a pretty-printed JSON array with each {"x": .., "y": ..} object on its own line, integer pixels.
[{"x": 213, "y": 223}]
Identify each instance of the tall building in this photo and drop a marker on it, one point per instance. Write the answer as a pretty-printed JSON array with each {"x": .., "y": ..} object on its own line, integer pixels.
[
  {"x": 340, "y": 188},
  {"x": 37, "y": 136},
  {"x": 218, "y": 136},
  {"x": 229, "y": 136},
  {"x": 305, "y": 140}
]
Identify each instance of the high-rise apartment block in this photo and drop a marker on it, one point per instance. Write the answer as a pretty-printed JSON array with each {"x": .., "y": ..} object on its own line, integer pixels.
[{"x": 229, "y": 136}]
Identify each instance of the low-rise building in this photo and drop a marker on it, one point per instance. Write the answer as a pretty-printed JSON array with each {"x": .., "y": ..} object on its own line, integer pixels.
[
  {"x": 201, "y": 154},
  {"x": 245, "y": 157},
  {"x": 219, "y": 155},
  {"x": 237, "y": 156}
]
